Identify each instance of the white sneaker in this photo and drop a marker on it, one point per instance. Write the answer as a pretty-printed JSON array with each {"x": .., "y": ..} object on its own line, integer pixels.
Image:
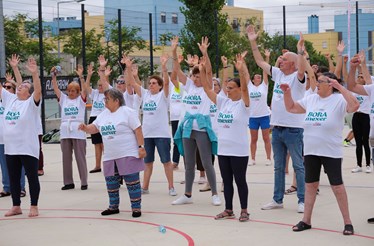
[
  {"x": 216, "y": 201},
  {"x": 202, "y": 180},
  {"x": 145, "y": 191},
  {"x": 172, "y": 192},
  {"x": 268, "y": 162},
  {"x": 251, "y": 162},
  {"x": 182, "y": 200},
  {"x": 300, "y": 208},
  {"x": 272, "y": 205},
  {"x": 357, "y": 169},
  {"x": 368, "y": 169}
]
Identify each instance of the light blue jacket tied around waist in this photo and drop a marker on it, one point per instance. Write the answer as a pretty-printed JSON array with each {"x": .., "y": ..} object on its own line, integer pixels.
[{"x": 185, "y": 128}]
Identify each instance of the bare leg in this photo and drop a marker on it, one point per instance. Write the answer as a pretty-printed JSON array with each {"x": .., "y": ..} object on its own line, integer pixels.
[
  {"x": 15, "y": 210},
  {"x": 254, "y": 138},
  {"x": 168, "y": 167},
  {"x": 33, "y": 211},
  {"x": 342, "y": 199},
  {"x": 266, "y": 138},
  {"x": 310, "y": 199},
  {"x": 147, "y": 175}
]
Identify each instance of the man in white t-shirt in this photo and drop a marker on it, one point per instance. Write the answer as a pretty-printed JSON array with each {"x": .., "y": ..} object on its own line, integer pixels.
[{"x": 287, "y": 134}]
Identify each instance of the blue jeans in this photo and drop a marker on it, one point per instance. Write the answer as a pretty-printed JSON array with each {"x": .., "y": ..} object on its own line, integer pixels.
[
  {"x": 5, "y": 174},
  {"x": 288, "y": 139}
]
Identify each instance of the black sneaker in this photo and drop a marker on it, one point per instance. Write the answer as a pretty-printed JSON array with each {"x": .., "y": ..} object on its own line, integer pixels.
[
  {"x": 110, "y": 212},
  {"x": 68, "y": 187},
  {"x": 84, "y": 187}
]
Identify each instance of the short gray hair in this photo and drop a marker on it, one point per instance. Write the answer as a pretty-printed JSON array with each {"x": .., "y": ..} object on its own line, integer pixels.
[
  {"x": 27, "y": 81},
  {"x": 115, "y": 94}
]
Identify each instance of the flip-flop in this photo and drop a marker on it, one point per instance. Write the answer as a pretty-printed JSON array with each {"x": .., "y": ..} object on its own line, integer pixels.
[
  {"x": 4, "y": 194},
  {"x": 348, "y": 230}
]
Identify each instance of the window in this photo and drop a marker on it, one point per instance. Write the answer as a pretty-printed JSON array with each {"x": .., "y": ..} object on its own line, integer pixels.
[
  {"x": 163, "y": 17},
  {"x": 174, "y": 18},
  {"x": 235, "y": 25},
  {"x": 324, "y": 45}
]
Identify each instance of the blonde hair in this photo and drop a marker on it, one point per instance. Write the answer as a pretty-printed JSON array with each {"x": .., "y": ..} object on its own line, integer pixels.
[{"x": 74, "y": 86}]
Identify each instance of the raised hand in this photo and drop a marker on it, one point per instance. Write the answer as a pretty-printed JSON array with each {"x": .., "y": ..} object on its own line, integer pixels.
[
  {"x": 240, "y": 62},
  {"x": 79, "y": 70},
  {"x": 285, "y": 88},
  {"x": 203, "y": 46},
  {"x": 345, "y": 58},
  {"x": 164, "y": 60},
  {"x": 126, "y": 60},
  {"x": 134, "y": 70},
  {"x": 327, "y": 56},
  {"x": 300, "y": 43},
  {"x": 31, "y": 65},
  {"x": 102, "y": 61},
  {"x": 355, "y": 61},
  {"x": 14, "y": 60},
  {"x": 340, "y": 47},
  {"x": 107, "y": 71},
  {"x": 180, "y": 59},
  {"x": 267, "y": 53},
  {"x": 251, "y": 33},
  {"x": 224, "y": 61},
  {"x": 174, "y": 43},
  {"x": 8, "y": 76},
  {"x": 285, "y": 51},
  {"x": 90, "y": 70},
  {"x": 362, "y": 57},
  {"x": 334, "y": 83}
]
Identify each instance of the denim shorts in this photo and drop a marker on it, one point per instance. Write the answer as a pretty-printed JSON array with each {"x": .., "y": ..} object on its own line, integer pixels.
[
  {"x": 256, "y": 123},
  {"x": 163, "y": 149}
]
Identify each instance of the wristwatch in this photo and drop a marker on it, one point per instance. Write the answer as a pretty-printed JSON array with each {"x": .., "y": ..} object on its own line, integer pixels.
[{"x": 141, "y": 146}]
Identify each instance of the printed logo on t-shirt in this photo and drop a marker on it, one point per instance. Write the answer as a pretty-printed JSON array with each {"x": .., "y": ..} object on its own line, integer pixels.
[
  {"x": 225, "y": 118},
  {"x": 317, "y": 116},
  {"x": 98, "y": 105},
  {"x": 176, "y": 97},
  {"x": 360, "y": 99},
  {"x": 150, "y": 106},
  {"x": 71, "y": 111},
  {"x": 192, "y": 100},
  {"x": 108, "y": 130},
  {"x": 372, "y": 108},
  {"x": 2, "y": 109},
  {"x": 256, "y": 95},
  {"x": 12, "y": 115},
  {"x": 278, "y": 93},
  {"x": 213, "y": 109}
]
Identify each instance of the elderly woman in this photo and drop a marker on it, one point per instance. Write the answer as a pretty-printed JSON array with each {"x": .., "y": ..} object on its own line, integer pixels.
[
  {"x": 232, "y": 115},
  {"x": 21, "y": 112},
  {"x": 323, "y": 128},
  {"x": 123, "y": 150},
  {"x": 155, "y": 123},
  {"x": 73, "y": 108}
]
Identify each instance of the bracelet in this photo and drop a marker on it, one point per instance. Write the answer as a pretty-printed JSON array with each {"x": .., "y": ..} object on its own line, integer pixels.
[
  {"x": 225, "y": 67},
  {"x": 141, "y": 146},
  {"x": 301, "y": 52}
]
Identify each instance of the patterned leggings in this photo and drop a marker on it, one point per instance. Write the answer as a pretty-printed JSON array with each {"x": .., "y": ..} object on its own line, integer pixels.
[{"x": 133, "y": 187}]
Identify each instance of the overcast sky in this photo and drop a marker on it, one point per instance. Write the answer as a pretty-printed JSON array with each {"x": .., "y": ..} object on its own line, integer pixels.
[{"x": 297, "y": 11}]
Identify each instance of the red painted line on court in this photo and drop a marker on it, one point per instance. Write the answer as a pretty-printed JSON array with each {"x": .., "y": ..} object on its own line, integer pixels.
[
  {"x": 195, "y": 215},
  {"x": 185, "y": 235}
]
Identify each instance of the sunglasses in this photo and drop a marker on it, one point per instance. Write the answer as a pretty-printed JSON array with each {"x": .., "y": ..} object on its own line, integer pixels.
[
  {"x": 8, "y": 87},
  {"x": 120, "y": 82}
]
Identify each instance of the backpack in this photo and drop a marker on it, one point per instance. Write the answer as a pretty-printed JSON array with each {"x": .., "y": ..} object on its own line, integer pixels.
[{"x": 50, "y": 136}]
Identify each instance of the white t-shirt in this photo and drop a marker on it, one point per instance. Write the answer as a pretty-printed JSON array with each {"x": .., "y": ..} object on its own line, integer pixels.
[
  {"x": 2, "y": 109},
  {"x": 365, "y": 104},
  {"x": 279, "y": 114},
  {"x": 232, "y": 120},
  {"x": 132, "y": 101},
  {"x": 20, "y": 125},
  {"x": 370, "y": 91},
  {"x": 72, "y": 115},
  {"x": 155, "y": 115},
  {"x": 195, "y": 101},
  {"x": 310, "y": 91},
  {"x": 176, "y": 104},
  {"x": 323, "y": 125},
  {"x": 117, "y": 131},
  {"x": 98, "y": 104},
  {"x": 258, "y": 96}
]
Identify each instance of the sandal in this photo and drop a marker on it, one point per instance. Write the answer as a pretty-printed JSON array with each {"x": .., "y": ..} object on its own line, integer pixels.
[
  {"x": 244, "y": 217},
  {"x": 301, "y": 226},
  {"x": 348, "y": 230},
  {"x": 226, "y": 214},
  {"x": 23, "y": 193},
  {"x": 291, "y": 190},
  {"x": 4, "y": 194}
]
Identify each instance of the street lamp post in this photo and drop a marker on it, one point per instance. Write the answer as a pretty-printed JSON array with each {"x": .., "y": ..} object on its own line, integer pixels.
[{"x": 58, "y": 22}]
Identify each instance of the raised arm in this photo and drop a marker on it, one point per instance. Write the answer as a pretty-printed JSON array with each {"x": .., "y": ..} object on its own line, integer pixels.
[
  {"x": 13, "y": 62},
  {"x": 164, "y": 60},
  {"x": 352, "y": 102},
  {"x": 300, "y": 58},
  {"x": 351, "y": 82},
  {"x": 85, "y": 84},
  {"x": 252, "y": 36},
  {"x": 54, "y": 83},
  {"x": 331, "y": 63},
  {"x": 135, "y": 73},
  {"x": 204, "y": 50},
  {"x": 225, "y": 75},
  {"x": 129, "y": 78},
  {"x": 291, "y": 106},
  {"x": 206, "y": 81},
  {"x": 345, "y": 72},
  {"x": 176, "y": 66},
  {"x": 311, "y": 76},
  {"x": 364, "y": 68},
  {"x": 33, "y": 69},
  {"x": 264, "y": 74},
  {"x": 90, "y": 71},
  {"x": 339, "y": 60},
  {"x": 241, "y": 67}
]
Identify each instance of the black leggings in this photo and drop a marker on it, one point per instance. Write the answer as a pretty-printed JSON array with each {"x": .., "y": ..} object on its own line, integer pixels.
[
  {"x": 30, "y": 163},
  {"x": 176, "y": 155},
  {"x": 234, "y": 167},
  {"x": 361, "y": 129}
]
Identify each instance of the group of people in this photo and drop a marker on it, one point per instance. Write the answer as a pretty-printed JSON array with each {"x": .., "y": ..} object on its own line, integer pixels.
[{"x": 207, "y": 118}]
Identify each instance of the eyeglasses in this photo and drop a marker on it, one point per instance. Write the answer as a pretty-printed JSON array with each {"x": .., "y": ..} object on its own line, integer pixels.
[
  {"x": 322, "y": 81},
  {"x": 120, "y": 82},
  {"x": 8, "y": 87},
  {"x": 308, "y": 59},
  {"x": 23, "y": 85}
]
